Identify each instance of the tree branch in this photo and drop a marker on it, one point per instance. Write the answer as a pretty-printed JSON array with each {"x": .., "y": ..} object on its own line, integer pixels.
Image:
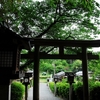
[
  {"x": 26, "y": 64},
  {"x": 46, "y": 30}
]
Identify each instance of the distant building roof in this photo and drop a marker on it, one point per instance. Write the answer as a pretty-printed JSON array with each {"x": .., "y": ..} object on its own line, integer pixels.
[
  {"x": 60, "y": 74},
  {"x": 80, "y": 73}
]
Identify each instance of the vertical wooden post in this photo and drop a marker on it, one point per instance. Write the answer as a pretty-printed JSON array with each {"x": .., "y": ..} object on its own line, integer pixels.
[
  {"x": 36, "y": 74},
  {"x": 85, "y": 74},
  {"x": 26, "y": 91},
  {"x": 55, "y": 89},
  {"x": 61, "y": 50},
  {"x": 5, "y": 93},
  {"x": 70, "y": 92}
]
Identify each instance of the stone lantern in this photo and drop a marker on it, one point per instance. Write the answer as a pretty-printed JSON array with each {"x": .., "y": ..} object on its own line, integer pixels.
[
  {"x": 70, "y": 77},
  {"x": 56, "y": 78}
]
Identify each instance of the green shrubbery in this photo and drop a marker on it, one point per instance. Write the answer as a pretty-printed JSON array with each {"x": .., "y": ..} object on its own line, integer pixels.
[
  {"x": 51, "y": 85},
  {"x": 95, "y": 91},
  {"x": 17, "y": 91},
  {"x": 78, "y": 90},
  {"x": 63, "y": 90}
]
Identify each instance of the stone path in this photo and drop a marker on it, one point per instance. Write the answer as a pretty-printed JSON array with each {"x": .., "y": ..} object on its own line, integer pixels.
[{"x": 45, "y": 93}]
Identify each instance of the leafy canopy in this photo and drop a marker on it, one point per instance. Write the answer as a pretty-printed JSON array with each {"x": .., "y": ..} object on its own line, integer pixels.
[
  {"x": 53, "y": 19},
  {"x": 57, "y": 19}
]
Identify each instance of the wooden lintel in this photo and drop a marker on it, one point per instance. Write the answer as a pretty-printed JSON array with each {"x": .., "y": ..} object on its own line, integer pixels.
[
  {"x": 68, "y": 43},
  {"x": 58, "y": 56}
]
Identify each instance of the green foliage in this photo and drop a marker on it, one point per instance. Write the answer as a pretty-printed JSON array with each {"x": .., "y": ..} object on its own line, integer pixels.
[
  {"x": 76, "y": 65},
  {"x": 63, "y": 90},
  {"x": 17, "y": 91},
  {"x": 8, "y": 9},
  {"x": 43, "y": 79},
  {"x": 51, "y": 85},
  {"x": 78, "y": 88},
  {"x": 64, "y": 80},
  {"x": 94, "y": 66},
  {"x": 45, "y": 66},
  {"x": 95, "y": 91},
  {"x": 50, "y": 65},
  {"x": 52, "y": 19},
  {"x": 85, "y": 4}
]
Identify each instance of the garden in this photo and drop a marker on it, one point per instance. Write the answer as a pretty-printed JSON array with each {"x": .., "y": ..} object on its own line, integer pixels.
[{"x": 62, "y": 89}]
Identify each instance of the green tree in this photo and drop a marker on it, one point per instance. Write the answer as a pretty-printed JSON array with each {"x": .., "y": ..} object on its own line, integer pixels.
[
  {"x": 77, "y": 65},
  {"x": 51, "y": 65},
  {"x": 52, "y": 19},
  {"x": 58, "y": 19},
  {"x": 94, "y": 66},
  {"x": 45, "y": 66}
]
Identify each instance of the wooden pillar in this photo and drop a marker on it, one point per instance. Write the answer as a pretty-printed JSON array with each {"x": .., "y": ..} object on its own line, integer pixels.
[
  {"x": 26, "y": 91},
  {"x": 36, "y": 74},
  {"x": 61, "y": 50},
  {"x": 5, "y": 87},
  {"x": 85, "y": 74}
]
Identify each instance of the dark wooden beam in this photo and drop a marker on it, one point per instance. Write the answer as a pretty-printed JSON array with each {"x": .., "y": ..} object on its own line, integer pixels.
[
  {"x": 59, "y": 56},
  {"x": 69, "y": 43}
]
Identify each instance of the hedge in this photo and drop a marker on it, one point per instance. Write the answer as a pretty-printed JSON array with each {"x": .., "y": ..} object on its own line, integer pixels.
[
  {"x": 63, "y": 90},
  {"x": 17, "y": 90}
]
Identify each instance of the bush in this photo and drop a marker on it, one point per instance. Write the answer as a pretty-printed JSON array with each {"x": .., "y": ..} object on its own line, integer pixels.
[
  {"x": 95, "y": 91},
  {"x": 94, "y": 88},
  {"x": 17, "y": 90},
  {"x": 51, "y": 85},
  {"x": 63, "y": 90},
  {"x": 78, "y": 90}
]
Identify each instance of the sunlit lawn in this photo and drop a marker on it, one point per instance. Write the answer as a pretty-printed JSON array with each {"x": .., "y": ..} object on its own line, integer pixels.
[{"x": 43, "y": 78}]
